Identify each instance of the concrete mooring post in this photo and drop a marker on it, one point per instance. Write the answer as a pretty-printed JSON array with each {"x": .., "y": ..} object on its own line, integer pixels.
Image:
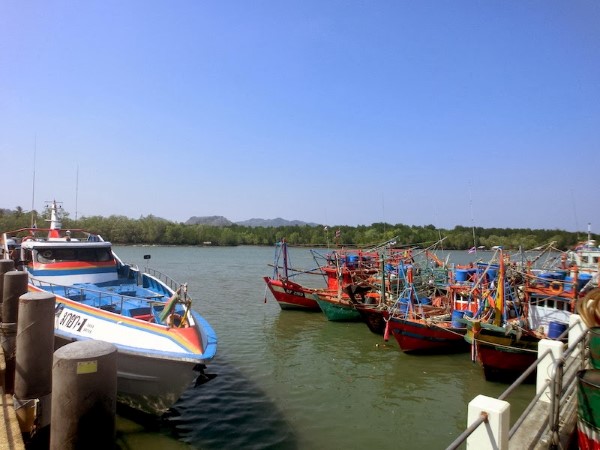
[
  {"x": 6, "y": 265},
  {"x": 15, "y": 285},
  {"x": 35, "y": 350},
  {"x": 84, "y": 396}
]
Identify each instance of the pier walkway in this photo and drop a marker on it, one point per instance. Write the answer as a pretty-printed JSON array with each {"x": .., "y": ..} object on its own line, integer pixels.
[
  {"x": 10, "y": 433},
  {"x": 550, "y": 420}
]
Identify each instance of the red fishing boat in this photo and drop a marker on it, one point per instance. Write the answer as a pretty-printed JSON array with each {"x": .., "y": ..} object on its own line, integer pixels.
[
  {"x": 420, "y": 325},
  {"x": 524, "y": 306},
  {"x": 340, "y": 269}
]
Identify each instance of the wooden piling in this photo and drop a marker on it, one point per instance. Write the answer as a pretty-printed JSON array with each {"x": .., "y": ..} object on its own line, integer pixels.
[
  {"x": 15, "y": 285},
  {"x": 84, "y": 396},
  {"x": 35, "y": 350}
]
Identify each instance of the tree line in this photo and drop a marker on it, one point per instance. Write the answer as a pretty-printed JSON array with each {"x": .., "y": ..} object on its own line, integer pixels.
[{"x": 122, "y": 230}]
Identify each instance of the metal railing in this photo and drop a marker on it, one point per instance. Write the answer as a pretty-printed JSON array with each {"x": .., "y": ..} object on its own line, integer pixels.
[
  {"x": 562, "y": 383},
  {"x": 173, "y": 285},
  {"x": 80, "y": 293}
]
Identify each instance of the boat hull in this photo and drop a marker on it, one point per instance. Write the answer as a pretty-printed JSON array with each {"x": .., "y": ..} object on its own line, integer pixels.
[
  {"x": 373, "y": 316},
  {"x": 147, "y": 383},
  {"x": 155, "y": 363},
  {"x": 337, "y": 311},
  {"x": 419, "y": 336},
  {"x": 504, "y": 357},
  {"x": 292, "y": 296}
]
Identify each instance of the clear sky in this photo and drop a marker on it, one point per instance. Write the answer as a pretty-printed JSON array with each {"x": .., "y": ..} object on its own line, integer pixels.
[{"x": 346, "y": 112}]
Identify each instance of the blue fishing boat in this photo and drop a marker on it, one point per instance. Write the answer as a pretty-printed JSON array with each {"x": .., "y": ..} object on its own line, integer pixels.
[{"x": 163, "y": 343}]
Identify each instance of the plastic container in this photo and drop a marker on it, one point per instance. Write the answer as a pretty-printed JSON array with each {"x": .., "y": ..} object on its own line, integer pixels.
[{"x": 555, "y": 329}]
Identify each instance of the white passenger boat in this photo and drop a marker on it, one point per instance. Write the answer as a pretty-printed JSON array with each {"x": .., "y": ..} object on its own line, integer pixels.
[{"x": 163, "y": 344}]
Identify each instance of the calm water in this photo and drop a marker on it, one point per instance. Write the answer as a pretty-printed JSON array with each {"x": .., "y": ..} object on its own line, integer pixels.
[{"x": 293, "y": 380}]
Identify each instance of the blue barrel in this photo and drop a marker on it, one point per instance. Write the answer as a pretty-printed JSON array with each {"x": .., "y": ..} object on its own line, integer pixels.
[
  {"x": 555, "y": 329},
  {"x": 425, "y": 301},
  {"x": 583, "y": 279},
  {"x": 352, "y": 261},
  {"x": 545, "y": 279},
  {"x": 404, "y": 305},
  {"x": 568, "y": 287},
  {"x": 461, "y": 275},
  {"x": 559, "y": 275},
  {"x": 492, "y": 273},
  {"x": 456, "y": 316}
]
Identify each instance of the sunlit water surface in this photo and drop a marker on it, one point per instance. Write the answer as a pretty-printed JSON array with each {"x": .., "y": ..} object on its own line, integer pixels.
[{"x": 293, "y": 380}]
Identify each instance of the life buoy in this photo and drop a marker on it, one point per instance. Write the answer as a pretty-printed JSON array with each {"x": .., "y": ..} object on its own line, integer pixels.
[{"x": 556, "y": 287}]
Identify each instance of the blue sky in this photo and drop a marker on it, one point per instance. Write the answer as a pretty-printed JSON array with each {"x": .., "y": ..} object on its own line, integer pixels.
[{"x": 482, "y": 113}]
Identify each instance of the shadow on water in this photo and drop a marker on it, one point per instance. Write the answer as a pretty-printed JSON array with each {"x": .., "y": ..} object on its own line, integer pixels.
[{"x": 229, "y": 411}]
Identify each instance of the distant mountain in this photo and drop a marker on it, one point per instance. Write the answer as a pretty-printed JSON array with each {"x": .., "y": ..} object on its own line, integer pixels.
[
  {"x": 215, "y": 221},
  {"x": 278, "y": 222},
  {"x": 220, "y": 221}
]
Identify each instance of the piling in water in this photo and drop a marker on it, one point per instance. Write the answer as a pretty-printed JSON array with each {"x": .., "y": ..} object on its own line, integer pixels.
[
  {"x": 35, "y": 349},
  {"x": 84, "y": 396},
  {"x": 15, "y": 285}
]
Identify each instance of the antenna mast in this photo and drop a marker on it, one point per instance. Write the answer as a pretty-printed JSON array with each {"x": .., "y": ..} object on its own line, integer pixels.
[
  {"x": 76, "y": 191},
  {"x": 33, "y": 182}
]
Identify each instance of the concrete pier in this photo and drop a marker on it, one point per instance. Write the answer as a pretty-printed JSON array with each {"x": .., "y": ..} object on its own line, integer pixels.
[{"x": 10, "y": 432}]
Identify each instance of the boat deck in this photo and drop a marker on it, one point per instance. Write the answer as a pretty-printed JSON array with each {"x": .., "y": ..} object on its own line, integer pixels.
[{"x": 128, "y": 299}]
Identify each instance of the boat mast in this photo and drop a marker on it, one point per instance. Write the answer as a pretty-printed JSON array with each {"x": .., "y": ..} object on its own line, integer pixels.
[
  {"x": 33, "y": 184},
  {"x": 76, "y": 191},
  {"x": 472, "y": 220}
]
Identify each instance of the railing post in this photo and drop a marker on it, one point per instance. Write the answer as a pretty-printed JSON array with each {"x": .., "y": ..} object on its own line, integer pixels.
[
  {"x": 492, "y": 434},
  {"x": 545, "y": 368},
  {"x": 577, "y": 328}
]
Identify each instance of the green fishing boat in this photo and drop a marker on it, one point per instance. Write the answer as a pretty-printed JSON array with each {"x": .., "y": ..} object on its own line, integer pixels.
[{"x": 336, "y": 307}]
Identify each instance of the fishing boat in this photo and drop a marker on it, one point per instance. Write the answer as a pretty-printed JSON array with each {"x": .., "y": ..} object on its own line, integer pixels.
[
  {"x": 336, "y": 306},
  {"x": 586, "y": 257},
  {"x": 163, "y": 343},
  {"x": 338, "y": 269},
  {"x": 291, "y": 295},
  {"x": 424, "y": 325},
  {"x": 513, "y": 318}
]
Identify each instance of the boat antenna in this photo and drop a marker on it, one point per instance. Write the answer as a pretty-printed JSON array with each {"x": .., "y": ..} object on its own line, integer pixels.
[
  {"x": 76, "y": 190},
  {"x": 574, "y": 209},
  {"x": 33, "y": 225},
  {"x": 472, "y": 220}
]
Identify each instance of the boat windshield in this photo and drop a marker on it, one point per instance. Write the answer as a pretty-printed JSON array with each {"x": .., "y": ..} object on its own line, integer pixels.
[{"x": 53, "y": 255}]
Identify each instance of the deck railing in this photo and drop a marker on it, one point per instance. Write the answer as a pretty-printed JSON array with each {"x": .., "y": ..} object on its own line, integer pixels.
[
  {"x": 174, "y": 285},
  {"x": 552, "y": 406},
  {"x": 100, "y": 298}
]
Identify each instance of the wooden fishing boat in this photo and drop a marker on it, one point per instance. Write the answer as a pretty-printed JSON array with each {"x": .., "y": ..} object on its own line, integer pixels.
[
  {"x": 163, "y": 344},
  {"x": 340, "y": 269},
  {"x": 433, "y": 334},
  {"x": 336, "y": 307},
  {"x": 291, "y": 295},
  {"x": 373, "y": 315},
  {"x": 420, "y": 325},
  {"x": 512, "y": 319}
]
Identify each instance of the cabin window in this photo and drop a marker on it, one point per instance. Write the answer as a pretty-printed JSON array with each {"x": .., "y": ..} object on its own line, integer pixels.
[
  {"x": 47, "y": 256},
  {"x": 596, "y": 259}
]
